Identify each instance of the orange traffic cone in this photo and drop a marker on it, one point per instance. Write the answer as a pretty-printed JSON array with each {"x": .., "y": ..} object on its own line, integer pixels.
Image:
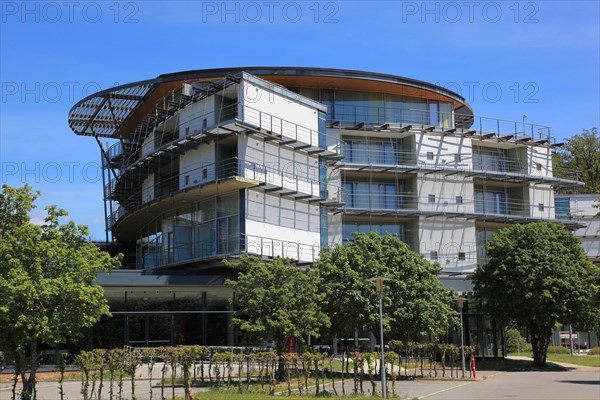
[{"x": 473, "y": 366}]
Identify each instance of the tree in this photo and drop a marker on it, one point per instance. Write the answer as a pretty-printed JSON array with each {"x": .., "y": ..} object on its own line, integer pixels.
[
  {"x": 581, "y": 154},
  {"x": 275, "y": 300},
  {"x": 46, "y": 281},
  {"x": 537, "y": 276},
  {"x": 414, "y": 299}
]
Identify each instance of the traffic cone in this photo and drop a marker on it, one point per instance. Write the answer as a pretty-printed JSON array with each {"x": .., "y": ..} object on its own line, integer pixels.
[{"x": 473, "y": 366}]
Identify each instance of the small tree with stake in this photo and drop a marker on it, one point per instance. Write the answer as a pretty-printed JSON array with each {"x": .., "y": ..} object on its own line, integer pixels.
[{"x": 275, "y": 300}]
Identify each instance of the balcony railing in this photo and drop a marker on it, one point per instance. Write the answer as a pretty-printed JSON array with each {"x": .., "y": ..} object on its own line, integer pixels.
[
  {"x": 157, "y": 255},
  {"x": 379, "y": 159},
  {"x": 360, "y": 202},
  {"x": 290, "y": 183},
  {"x": 359, "y": 116},
  {"x": 209, "y": 124}
]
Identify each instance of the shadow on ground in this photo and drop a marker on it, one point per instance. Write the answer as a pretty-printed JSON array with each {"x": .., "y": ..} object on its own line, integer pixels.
[
  {"x": 584, "y": 382},
  {"x": 499, "y": 364}
]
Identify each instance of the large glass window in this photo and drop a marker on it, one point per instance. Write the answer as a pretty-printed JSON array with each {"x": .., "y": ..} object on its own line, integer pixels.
[
  {"x": 387, "y": 152},
  {"x": 491, "y": 202},
  {"x": 493, "y": 160},
  {"x": 374, "y": 195},
  {"x": 563, "y": 208},
  {"x": 206, "y": 229},
  {"x": 353, "y": 107},
  {"x": 349, "y": 228},
  {"x": 404, "y": 231},
  {"x": 482, "y": 236},
  {"x": 359, "y": 107}
]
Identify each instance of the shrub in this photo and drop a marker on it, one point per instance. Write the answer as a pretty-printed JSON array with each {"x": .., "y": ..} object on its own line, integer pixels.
[
  {"x": 595, "y": 351},
  {"x": 558, "y": 350},
  {"x": 515, "y": 342}
]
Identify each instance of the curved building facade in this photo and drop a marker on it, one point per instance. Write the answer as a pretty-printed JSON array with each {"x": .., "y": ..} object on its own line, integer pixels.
[{"x": 285, "y": 161}]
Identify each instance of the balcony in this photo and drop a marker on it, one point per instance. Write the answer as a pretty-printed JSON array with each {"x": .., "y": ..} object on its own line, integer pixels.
[
  {"x": 160, "y": 254},
  {"x": 237, "y": 173},
  {"x": 355, "y": 117},
  {"x": 394, "y": 158}
]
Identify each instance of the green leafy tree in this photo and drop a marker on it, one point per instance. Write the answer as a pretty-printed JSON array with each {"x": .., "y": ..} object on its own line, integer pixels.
[
  {"x": 537, "y": 276},
  {"x": 46, "y": 280},
  {"x": 414, "y": 299},
  {"x": 515, "y": 342},
  {"x": 581, "y": 154},
  {"x": 275, "y": 300}
]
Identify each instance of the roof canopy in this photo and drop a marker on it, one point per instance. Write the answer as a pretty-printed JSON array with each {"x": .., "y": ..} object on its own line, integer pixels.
[{"x": 115, "y": 112}]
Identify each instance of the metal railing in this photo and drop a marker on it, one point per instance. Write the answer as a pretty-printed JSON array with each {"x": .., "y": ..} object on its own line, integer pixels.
[
  {"x": 286, "y": 182},
  {"x": 353, "y": 115},
  {"x": 372, "y": 202},
  {"x": 157, "y": 255},
  {"x": 358, "y": 157},
  {"x": 245, "y": 116},
  {"x": 277, "y": 126}
]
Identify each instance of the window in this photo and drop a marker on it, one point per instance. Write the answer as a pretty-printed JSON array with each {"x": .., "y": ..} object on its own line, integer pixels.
[
  {"x": 459, "y": 200},
  {"x": 433, "y": 255},
  {"x": 431, "y": 198},
  {"x": 541, "y": 206},
  {"x": 491, "y": 202},
  {"x": 457, "y": 158},
  {"x": 461, "y": 255},
  {"x": 538, "y": 166},
  {"x": 430, "y": 155},
  {"x": 563, "y": 208},
  {"x": 377, "y": 195}
]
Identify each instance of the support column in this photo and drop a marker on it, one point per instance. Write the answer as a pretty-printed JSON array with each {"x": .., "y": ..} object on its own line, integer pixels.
[
  {"x": 146, "y": 330},
  {"x": 335, "y": 345},
  {"x": 126, "y": 331},
  {"x": 230, "y": 326}
]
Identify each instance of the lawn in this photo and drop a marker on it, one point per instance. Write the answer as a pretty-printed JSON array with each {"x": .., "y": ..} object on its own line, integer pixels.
[{"x": 585, "y": 360}]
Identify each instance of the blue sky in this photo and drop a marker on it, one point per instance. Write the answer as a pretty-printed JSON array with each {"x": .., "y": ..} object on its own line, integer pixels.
[{"x": 507, "y": 58}]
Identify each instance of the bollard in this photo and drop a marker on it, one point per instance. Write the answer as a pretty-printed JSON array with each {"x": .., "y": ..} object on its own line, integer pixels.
[{"x": 473, "y": 366}]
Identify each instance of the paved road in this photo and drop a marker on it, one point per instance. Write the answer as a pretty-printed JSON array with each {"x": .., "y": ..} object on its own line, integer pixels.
[
  {"x": 571, "y": 385},
  {"x": 582, "y": 384}
]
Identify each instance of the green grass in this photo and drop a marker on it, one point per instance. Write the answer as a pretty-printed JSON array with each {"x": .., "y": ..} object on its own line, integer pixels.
[{"x": 585, "y": 360}]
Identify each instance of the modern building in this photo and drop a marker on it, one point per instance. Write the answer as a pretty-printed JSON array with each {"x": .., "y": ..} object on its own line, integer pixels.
[
  {"x": 580, "y": 207},
  {"x": 284, "y": 161}
]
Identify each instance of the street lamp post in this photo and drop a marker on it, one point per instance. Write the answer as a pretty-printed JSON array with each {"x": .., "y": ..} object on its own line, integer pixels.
[
  {"x": 459, "y": 304},
  {"x": 379, "y": 284}
]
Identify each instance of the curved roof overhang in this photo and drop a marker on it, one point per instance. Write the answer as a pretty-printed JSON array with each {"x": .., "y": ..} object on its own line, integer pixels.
[{"x": 115, "y": 112}]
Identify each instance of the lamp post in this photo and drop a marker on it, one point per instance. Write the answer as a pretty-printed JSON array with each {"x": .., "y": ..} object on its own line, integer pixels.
[
  {"x": 379, "y": 285},
  {"x": 459, "y": 304}
]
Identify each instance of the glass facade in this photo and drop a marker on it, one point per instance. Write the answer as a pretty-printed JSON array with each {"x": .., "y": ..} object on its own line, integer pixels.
[
  {"x": 349, "y": 228},
  {"x": 149, "y": 318},
  {"x": 482, "y": 236},
  {"x": 499, "y": 160},
  {"x": 378, "y": 108},
  {"x": 562, "y": 207},
  {"x": 491, "y": 202},
  {"x": 385, "y": 152},
  {"x": 205, "y": 229},
  {"x": 374, "y": 195}
]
